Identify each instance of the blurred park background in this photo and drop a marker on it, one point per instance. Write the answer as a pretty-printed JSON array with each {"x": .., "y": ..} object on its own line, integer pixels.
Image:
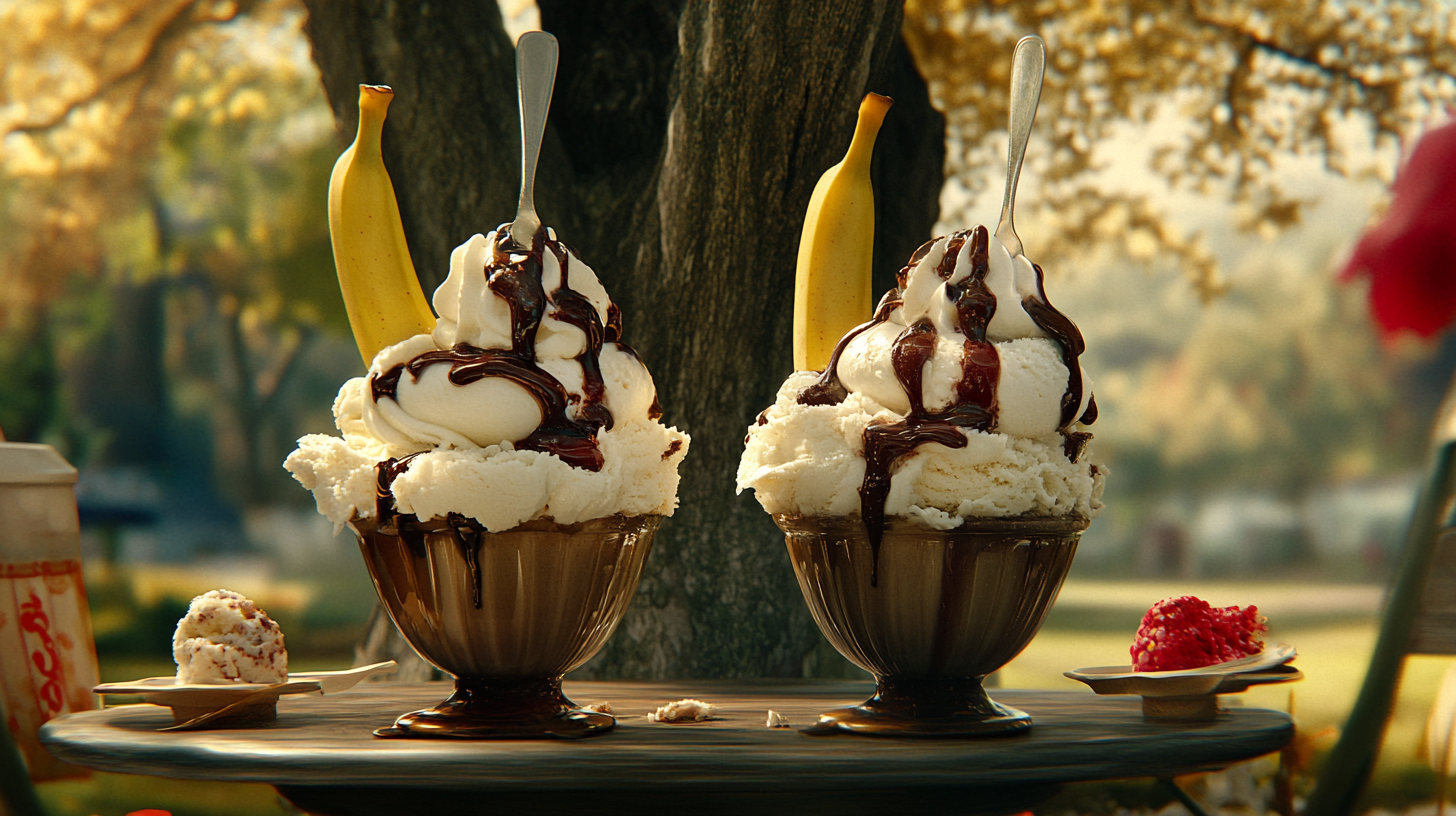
[{"x": 170, "y": 322}]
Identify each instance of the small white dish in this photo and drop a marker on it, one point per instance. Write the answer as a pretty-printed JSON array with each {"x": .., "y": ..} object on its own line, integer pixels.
[
  {"x": 196, "y": 704},
  {"x": 1191, "y": 694}
]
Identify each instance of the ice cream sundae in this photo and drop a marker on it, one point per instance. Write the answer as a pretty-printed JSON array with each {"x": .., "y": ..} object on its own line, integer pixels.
[
  {"x": 929, "y": 469},
  {"x": 932, "y": 481},
  {"x": 502, "y": 462}
]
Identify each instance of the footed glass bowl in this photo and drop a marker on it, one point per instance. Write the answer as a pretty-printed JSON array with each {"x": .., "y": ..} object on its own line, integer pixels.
[
  {"x": 931, "y": 614},
  {"x": 507, "y": 614}
]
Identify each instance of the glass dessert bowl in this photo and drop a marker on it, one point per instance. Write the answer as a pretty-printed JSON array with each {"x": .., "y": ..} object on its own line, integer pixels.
[
  {"x": 506, "y": 614},
  {"x": 929, "y": 613}
]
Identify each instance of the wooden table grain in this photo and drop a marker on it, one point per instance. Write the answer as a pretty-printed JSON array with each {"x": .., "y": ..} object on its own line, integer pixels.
[{"x": 321, "y": 755}]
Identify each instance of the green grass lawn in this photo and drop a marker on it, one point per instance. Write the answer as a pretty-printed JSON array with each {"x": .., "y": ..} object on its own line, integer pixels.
[
  {"x": 1332, "y": 626},
  {"x": 106, "y": 794}
]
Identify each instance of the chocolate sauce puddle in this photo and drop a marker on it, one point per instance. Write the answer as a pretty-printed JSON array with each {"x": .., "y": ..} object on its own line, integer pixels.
[{"x": 975, "y": 406}]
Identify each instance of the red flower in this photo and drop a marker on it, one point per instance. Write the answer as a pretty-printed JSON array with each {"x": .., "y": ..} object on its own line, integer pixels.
[{"x": 1410, "y": 255}]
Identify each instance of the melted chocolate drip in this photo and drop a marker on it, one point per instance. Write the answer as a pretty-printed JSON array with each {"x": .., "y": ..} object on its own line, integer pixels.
[
  {"x": 828, "y": 390},
  {"x": 574, "y": 309},
  {"x": 975, "y": 306},
  {"x": 903, "y": 276},
  {"x": 1074, "y": 444},
  {"x": 975, "y": 405},
  {"x": 384, "y": 507},
  {"x": 386, "y": 384},
  {"x": 385, "y": 474},
  {"x": 1062, "y": 330},
  {"x": 947, "y": 264},
  {"x": 467, "y": 533},
  {"x": 613, "y": 329},
  {"x": 573, "y": 440}
]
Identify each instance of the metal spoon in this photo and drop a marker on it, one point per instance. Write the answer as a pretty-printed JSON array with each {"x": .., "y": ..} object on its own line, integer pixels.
[
  {"x": 1028, "y": 64},
  {"x": 536, "y": 53}
]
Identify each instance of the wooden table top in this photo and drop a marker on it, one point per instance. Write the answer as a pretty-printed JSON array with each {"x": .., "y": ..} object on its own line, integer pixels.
[{"x": 324, "y": 743}]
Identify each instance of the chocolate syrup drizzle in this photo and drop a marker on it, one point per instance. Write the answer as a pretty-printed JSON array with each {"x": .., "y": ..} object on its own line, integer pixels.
[
  {"x": 384, "y": 507},
  {"x": 467, "y": 532},
  {"x": 516, "y": 277},
  {"x": 975, "y": 406},
  {"x": 408, "y": 527}
]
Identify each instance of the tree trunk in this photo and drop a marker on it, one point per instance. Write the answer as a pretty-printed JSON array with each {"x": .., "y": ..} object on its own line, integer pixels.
[{"x": 684, "y": 143}]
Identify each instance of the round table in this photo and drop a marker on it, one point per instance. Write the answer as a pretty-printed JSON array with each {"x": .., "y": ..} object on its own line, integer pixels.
[{"x": 320, "y": 753}]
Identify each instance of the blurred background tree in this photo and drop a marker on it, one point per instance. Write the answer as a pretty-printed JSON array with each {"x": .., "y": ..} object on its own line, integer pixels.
[
  {"x": 168, "y": 307},
  {"x": 1236, "y": 90},
  {"x": 166, "y": 258}
]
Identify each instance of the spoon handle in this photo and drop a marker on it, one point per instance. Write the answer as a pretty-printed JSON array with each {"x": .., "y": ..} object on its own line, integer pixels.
[
  {"x": 1028, "y": 64},
  {"x": 536, "y": 53}
]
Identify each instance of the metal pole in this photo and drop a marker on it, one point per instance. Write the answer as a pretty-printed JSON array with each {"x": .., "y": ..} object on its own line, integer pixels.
[
  {"x": 1348, "y": 768},
  {"x": 17, "y": 794}
]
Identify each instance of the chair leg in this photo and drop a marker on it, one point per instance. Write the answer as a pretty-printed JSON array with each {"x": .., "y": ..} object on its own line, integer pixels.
[
  {"x": 17, "y": 794},
  {"x": 1182, "y": 796},
  {"x": 1348, "y": 768}
]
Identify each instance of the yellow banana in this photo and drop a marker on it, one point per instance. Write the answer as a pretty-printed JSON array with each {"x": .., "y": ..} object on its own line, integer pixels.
[
  {"x": 832, "y": 291},
  {"x": 381, "y": 291}
]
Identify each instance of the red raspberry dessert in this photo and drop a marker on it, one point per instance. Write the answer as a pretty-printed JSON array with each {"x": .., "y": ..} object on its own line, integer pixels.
[{"x": 1186, "y": 633}]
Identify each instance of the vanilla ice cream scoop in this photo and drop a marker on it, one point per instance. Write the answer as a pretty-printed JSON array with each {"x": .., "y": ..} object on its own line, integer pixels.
[
  {"x": 959, "y": 398},
  {"x": 522, "y": 403},
  {"x": 226, "y": 638},
  {"x": 985, "y": 320},
  {"x": 526, "y": 351}
]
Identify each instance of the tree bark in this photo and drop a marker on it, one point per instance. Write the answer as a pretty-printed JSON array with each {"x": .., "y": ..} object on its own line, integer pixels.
[{"x": 684, "y": 143}]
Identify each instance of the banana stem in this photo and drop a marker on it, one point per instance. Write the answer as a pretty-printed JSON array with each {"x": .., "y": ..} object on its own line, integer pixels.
[
  {"x": 373, "y": 106},
  {"x": 872, "y": 112}
]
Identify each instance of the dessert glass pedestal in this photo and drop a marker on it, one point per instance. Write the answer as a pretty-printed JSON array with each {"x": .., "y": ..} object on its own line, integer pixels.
[
  {"x": 931, "y": 614},
  {"x": 507, "y": 614}
]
